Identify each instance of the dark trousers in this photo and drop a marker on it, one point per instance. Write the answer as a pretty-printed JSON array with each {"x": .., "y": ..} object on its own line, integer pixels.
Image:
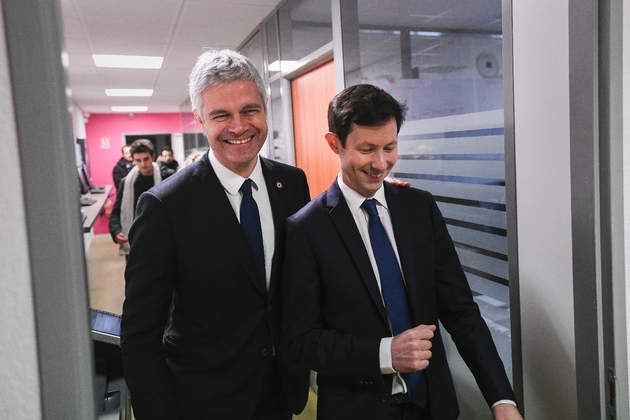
[
  {"x": 408, "y": 411},
  {"x": 272, "y": 404}
]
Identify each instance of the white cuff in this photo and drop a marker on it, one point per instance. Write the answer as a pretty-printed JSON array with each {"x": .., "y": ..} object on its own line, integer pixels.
[
  {"x": 503, "y": 402},
  {"x": 385, "y": 356}
]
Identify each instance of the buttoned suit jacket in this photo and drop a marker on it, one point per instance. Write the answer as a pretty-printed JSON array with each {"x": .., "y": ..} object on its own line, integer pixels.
[
  {"x": 334, "y": 316},
  {"x": 188, "y": 248}
]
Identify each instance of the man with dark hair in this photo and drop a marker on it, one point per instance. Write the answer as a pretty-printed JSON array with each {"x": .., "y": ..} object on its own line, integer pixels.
[
  {"x": 123, "y": 166},
  {"x": 144, "y": 175},
  {"x": 210, "y": 240},
  {"x": 369, "y": 271},
  {"x": 167, "y": 161}
]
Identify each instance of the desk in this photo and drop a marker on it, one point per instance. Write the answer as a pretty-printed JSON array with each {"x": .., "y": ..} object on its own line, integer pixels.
[{"x": 93, "y": 211}]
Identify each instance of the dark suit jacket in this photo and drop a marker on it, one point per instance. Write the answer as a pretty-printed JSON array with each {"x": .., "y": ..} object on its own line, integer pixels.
[
  {"x": 334, "y": 316},
  {"x": 188, "y": 247}
]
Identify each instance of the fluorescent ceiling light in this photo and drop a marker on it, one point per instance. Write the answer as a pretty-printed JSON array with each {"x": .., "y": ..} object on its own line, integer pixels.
[
  {"x": 426, "y": 33},
  {"x": 286, "y": 65},
  {"x": 129, "y": 108},
  {"x": 127, "y": 61},
  {"x": 129, "y": 92}
]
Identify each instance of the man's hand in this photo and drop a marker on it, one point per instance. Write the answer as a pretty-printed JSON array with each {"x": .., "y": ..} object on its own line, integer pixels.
[
  {"x": 410, "y": 349},
  {"x": 121, "y": 239},
  {"x": 506, "y": 412},
  {"x": 397, "y": 182}
]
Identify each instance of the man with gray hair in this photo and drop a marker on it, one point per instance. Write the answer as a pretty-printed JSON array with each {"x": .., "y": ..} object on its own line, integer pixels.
[{"x": 210, "y": 241}]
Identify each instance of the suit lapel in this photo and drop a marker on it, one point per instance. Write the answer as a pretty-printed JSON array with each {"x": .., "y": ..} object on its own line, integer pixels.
[
  {"x": 213, "y": 199},
  {"x": 278, "y": 201},
  {"x": 277, "y": 196},
  {"x": 344, "y": 223},
  {"x": 404, "y": 234}
]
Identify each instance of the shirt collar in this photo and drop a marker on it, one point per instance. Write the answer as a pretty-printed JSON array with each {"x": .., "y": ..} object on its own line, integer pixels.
[
  {"x": 354, "y": 199},
  {"x": 232, "y": 182}
]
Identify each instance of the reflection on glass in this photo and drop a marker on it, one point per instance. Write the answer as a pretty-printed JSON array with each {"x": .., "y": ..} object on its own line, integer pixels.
[
  {"x": 253, "y": 50},
  {"x": 276, "y": 138},
  {"x": 305, "y": 26},
  {"x": 273, "y": 49}
]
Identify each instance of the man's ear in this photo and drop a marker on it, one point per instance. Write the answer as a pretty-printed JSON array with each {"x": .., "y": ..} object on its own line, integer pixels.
[
  {"x": 333, "y": 142},
  {"x": 199, "y": 120}
]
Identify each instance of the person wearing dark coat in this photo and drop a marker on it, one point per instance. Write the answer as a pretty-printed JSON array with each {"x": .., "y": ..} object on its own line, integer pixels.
[
  {"x": 123, "y": 166},
  {"x": 144, "y": 175},
  {"x": 167, "y": 161},
  {"x": 370, "y": 270},
  {"x": 194, "y": 267}
]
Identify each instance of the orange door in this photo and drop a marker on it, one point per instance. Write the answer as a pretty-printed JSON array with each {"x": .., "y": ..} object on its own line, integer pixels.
[{"x": 311, "y": 93}]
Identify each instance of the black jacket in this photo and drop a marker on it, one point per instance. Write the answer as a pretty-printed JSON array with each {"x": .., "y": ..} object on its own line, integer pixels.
[
  {"x": 120, "y": 171},
  {"x": 188, "y": 247}
]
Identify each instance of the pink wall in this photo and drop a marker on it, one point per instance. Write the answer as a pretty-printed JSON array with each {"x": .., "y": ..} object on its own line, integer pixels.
[{"x": 105, "y": 137}]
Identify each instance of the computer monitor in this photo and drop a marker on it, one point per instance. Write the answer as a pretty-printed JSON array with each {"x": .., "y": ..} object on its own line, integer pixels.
[
  {"x": 83, "y": 182},
  {"x": 105, "y": 326},
  {"x": 95, "y": 189}
]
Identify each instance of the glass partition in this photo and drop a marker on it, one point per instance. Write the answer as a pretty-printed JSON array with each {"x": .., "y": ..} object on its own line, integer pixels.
[
  {"x": 304, "y": 26},
  {"x": 272, "y": 44},
  {"x": 253, "y": 50}
]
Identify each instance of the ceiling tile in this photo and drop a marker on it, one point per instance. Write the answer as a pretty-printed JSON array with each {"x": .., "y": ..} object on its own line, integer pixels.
[
  {"x": 129, "y": 12},
  {"x": 128, "y": 78},
  {"x": 101, "y": 34}
]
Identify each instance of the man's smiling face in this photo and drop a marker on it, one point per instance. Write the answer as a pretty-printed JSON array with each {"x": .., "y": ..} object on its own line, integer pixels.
[
  {"x": 368, "y": 156},
  {"x": 235, "y": 121}
]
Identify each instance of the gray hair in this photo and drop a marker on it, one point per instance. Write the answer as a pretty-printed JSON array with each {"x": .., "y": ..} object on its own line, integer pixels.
[{"x": 218, "y": 68}]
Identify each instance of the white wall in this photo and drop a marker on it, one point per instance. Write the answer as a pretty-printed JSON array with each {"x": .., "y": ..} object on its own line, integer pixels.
[
  {"x": 20, "y": 394},
  {"x": 78, "y": 121},
  {"x": 542, "y": 148}
]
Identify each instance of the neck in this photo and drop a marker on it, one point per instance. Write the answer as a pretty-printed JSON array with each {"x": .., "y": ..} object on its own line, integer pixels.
[{"x": 244, "y": 170}]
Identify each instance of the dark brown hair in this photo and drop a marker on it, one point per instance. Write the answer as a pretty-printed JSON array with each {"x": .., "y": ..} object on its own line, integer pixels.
[{"x": 364, "y": 105}]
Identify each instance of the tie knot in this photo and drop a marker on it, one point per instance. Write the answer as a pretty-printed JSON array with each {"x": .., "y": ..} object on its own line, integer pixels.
[
  {"x": 246, "y": 188},
  {"x": 369, "y": 206}
]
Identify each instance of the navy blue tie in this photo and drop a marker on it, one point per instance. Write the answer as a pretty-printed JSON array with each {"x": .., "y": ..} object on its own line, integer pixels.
[
  {"x": 250, "y": 221},
  {"x": 394, "y": 295}
]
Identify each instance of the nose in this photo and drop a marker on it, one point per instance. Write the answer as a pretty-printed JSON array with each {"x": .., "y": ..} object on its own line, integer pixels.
[
  {"x": 379, "y": 162},
  {"x": 238, "y": 124}
]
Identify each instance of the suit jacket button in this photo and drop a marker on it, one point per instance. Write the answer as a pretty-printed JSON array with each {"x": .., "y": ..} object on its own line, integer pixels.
[
  {"x": 264, "y": 352},
  {"x": 268, "y": 308}
]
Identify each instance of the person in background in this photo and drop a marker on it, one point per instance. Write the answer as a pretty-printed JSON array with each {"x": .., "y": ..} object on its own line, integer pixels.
[
  {"x": 193, "y": 157},
  {"x": 210, "y": 239},
  {"x": 144, "y": 175},
  {"x": 369, "y": 271},
  {"x": 167, "y": 161},
  {"x": 124, "y": 165}
]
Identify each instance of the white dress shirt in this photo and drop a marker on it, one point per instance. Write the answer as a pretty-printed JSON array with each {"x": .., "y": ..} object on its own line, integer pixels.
[{"x": 232, "y": 183}]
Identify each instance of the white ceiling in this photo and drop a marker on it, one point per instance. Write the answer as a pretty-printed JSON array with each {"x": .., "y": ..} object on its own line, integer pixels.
[{"x": 177, "y": 30}]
